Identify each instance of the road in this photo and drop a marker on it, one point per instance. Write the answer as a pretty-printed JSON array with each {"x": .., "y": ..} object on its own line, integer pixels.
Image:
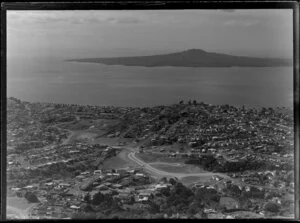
[{"x": 155, "y": 171}]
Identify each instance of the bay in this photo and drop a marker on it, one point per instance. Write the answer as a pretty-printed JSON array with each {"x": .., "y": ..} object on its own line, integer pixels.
[{"x": 58, "y": 81}]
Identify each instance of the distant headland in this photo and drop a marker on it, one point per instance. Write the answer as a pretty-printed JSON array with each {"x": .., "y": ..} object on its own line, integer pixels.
[{"x": 190, "y": 58}]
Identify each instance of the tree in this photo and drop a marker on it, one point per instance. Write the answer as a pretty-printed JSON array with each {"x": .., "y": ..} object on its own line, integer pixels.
[
  {"x": 87, "y": 198},
  {"x": 164, "y": 179},
  {"x": 172, "y": 181},
  {"x": 87, "y": 208},
  {"x": 83, "y": 215},
  {"x": 272, "y": 207},
  {"x": 165, "y": 191},
  {"x": 31, "y": 197},
  {"x": 97, "y": 199},
  {"x": 195, "y": 207},
  {"x": 157, "y": 216},
  {"x": 154, "y": 207}
]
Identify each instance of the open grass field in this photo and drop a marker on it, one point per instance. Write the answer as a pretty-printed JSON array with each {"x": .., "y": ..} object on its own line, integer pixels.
[
  {"x": 91, "y": 138},
  {"x": 17, "y": 202},
  {"x": 115, "y": 163},
  {"x": 171, "y": 169},
  {"x": 86, "y": 136},
  {"x": 78, "y": 125},
  {"x": 102, "y": 125},
  {"x": 183, "y": 168},
  {"x": 118, "y": 162},
  {"x": 190, "y": 180},
  {"x": 151, "y": 158},
  {"x": 246, "y": 214}
]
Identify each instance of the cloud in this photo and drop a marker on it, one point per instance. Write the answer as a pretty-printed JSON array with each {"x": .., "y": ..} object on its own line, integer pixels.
[
  {"x": 35, "y": 17},
  {"x": 236, "y": 22},
  {"x": 75, "y": 17},
  {"x": 106, "y": 20},
  {"x": 127, "y": 20}
]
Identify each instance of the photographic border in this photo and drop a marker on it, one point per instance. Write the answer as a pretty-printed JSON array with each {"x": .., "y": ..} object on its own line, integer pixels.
[{"x": 148, "y": 5}]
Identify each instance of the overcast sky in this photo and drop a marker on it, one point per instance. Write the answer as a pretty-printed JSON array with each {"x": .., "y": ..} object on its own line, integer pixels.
[{"x": 69, "y": 34}]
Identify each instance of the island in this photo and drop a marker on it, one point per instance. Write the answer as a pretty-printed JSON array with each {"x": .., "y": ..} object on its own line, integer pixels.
[{"x": 190, "y": 58}]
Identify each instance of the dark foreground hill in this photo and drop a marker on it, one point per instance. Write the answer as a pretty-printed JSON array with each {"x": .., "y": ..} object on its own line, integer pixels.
[{"x": 191, "y": 58}]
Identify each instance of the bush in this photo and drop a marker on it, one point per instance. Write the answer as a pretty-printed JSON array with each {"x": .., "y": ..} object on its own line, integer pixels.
[
  {"x": 84, "y": 215},
  {"x": 98, "y": 198},
  {"x": 272, "y": 207},
  {"x": 31, "y": 197},
  {"x": 172, "y": 181}
]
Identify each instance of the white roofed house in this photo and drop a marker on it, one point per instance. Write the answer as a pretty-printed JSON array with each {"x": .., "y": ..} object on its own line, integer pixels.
[
  {"x": 125, "y": 198},
  {"x": 49, "y": 184},
  {"x": 143, "y": 197},
  {"x": 161, "y": 186},
  {"x": 117, "y": 186},
  {"x": 116, "y": 174},
  {"x": 15, "y": 189},
  {"x": 74, "y": 207},
  {"x": 30, "y": 187},
  {"x": 97, "y": 171},
  {"x": 63, "y": 185},
  {"x": 140, "y": 175},
  {"x": 131, "y": 171}
]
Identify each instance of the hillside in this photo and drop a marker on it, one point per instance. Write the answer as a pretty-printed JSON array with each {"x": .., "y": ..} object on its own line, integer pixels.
[{"x": 190, "y": 58}]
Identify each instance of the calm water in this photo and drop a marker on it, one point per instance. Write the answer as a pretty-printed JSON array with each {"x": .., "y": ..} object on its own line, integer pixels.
[{"x": 53, "y": 80}]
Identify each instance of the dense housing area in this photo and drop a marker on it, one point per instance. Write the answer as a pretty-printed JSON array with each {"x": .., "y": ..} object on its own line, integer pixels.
[{"x": 187, "y": 160}]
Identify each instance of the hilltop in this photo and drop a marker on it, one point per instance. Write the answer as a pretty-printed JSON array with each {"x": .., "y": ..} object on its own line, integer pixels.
[{"x": 190, "y": 58}]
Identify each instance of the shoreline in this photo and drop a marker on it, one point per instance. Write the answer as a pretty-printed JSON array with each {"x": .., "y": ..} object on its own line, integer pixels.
[{"x": 255, "y": 107}]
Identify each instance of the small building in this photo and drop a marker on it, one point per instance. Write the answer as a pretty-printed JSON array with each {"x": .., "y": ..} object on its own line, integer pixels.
[
  {"x": 64, "y": 185},
  {"x": 97, "y": 171},
  {"x": 117, "y": 186},
  {"x": 74, "y": 207},
  {"x": 15, "y": 189},
  {"x": 209, "y": 210},
  {"x": 140, "y": 174}
]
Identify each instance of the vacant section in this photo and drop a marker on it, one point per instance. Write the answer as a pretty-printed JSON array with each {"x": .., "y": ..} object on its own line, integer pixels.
[
  {"x": 177, "y": 169},
  {"x": 190, "y": 180},
  {"x": 150, "y": 158}
]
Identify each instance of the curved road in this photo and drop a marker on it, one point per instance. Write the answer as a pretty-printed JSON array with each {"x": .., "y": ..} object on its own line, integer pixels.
[{"x": 151, "y": 169}]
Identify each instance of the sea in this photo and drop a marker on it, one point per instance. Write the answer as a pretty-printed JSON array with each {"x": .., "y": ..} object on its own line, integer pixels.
[{"x": 58, "y": 81}]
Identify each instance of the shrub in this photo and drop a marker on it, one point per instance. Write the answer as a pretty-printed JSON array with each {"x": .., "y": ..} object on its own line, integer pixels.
[
  {"x": 271, "y": 207},
  {"x": 31, "y": 197}
]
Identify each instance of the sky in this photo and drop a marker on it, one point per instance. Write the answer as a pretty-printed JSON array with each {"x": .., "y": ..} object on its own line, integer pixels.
[{"x": 96, "y": 33}]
